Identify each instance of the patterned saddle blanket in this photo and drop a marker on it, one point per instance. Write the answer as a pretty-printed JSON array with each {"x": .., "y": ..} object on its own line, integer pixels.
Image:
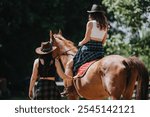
[{"x": 82, "y": 69}]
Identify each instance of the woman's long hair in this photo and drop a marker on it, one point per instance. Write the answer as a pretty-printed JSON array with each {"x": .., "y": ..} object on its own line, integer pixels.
[
  {"x": 101, "y": 19},
  {"x": 47, "y": 58}
]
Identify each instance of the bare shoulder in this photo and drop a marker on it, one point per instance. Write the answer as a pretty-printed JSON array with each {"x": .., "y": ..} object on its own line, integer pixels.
[
  {"x": 89, "y": 24},
  {"x": 36, "y": 62}
]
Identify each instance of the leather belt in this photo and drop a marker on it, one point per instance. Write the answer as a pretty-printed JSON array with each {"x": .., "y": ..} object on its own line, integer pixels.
[{"x": 47, "y": 78}]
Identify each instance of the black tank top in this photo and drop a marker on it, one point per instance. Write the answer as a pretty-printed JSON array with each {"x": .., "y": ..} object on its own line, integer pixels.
[{"x": 47, "y": 70}]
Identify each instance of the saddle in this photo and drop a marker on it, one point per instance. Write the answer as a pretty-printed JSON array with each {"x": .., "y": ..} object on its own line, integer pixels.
[
  {"x": 71, "y": 90},
  {"x": 83, "y": 68}
]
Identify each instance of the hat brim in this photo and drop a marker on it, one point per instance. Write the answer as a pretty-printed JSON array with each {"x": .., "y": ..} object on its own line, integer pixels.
[
  {"x": 95, "y": 11},
  {"x": 38, "y": 50}
]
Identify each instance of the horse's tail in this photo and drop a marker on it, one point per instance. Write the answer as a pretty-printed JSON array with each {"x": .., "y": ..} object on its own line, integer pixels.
[{"x": 137, "y": 66}]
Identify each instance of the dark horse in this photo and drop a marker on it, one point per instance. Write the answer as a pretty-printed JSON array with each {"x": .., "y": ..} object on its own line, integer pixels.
[{"x": 112, "y": 76}]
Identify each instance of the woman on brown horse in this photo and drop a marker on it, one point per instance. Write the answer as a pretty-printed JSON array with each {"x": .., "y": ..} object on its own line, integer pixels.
[
  {"x": 92, "y": 44},
  {"x": 112, "y": 76}
]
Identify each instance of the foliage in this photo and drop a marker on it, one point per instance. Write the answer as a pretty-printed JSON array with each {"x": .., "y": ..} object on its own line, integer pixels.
[{"x": 130, "y": 21}]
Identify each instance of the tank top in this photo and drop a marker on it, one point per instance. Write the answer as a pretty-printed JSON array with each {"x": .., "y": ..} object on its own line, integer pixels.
[
  {"x": 47, "y": 71},
  {"x": 96, "y": 32}
]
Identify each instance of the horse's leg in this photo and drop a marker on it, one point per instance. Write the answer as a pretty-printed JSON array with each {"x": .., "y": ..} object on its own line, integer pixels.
[
  {"x": 68, "y": 82},
  {"x": 73, "y": 97},
  {"x": 115, "y": 95},
  {"x": 115, "y": 98},
  {"x": 68, "y": 69},
  {"x": 114, "y": 86}
]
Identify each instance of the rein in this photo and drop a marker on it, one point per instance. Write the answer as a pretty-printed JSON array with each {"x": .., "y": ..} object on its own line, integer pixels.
[{"x": 66, "y": 53}]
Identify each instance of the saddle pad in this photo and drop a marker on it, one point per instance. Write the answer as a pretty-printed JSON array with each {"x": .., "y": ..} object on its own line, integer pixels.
[{"x": 82, "y": 69}]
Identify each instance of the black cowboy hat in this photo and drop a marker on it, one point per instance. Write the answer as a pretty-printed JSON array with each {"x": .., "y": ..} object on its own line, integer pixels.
[
  {"x": 96, "y": 8},
  {"x": 46, "y": 48}
]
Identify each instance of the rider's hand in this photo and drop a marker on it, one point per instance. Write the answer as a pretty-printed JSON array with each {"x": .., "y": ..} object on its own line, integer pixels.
[
  {"x": 80, "y": 44},
  {"x": 30, "y": 94}
]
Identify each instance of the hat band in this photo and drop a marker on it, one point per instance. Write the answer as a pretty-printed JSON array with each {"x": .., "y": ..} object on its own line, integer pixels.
[{"x": 46, "y": 49}]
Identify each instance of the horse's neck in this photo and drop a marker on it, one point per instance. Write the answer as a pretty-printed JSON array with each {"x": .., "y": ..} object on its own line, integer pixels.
[
  {"x": 69, "y": 48},
  {"x": 66, "y": 58},
  {"x": 64, "y": 61}
]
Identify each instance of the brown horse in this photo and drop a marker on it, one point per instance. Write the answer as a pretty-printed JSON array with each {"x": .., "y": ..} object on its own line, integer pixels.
[{"x": 112, "y": 76}]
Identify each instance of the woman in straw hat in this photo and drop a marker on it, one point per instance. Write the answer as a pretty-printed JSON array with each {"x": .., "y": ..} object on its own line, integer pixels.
[
  {"x": 44, "y": 71},
  {"x": 92, "y": 44}
]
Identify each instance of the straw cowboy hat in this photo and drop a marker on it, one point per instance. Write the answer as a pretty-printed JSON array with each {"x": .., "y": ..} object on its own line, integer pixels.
[
  {"x": 46, "y": 48},
  {"x": 96, "y": 8}
]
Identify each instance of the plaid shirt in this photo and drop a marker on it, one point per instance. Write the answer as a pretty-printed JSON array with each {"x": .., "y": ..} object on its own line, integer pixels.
[{"x": 88, "y": 52}]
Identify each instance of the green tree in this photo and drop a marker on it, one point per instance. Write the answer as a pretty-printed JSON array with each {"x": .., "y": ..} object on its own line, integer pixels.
[{"x": 130, "y": 22}]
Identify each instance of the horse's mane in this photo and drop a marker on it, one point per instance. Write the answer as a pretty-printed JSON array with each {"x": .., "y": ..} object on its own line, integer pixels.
[{"x": 68, "y": 43}]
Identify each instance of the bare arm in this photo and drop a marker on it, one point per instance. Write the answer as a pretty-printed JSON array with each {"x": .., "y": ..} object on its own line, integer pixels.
[
  {"x": 87, "y": 34},
  {"x": 104, "y": 39},
  {"x": 60, "y": 71},
  {"x": 34, "y": 77}
]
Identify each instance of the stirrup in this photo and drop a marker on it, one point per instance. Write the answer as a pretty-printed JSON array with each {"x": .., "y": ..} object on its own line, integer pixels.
[{"x": 65, "y": 93}]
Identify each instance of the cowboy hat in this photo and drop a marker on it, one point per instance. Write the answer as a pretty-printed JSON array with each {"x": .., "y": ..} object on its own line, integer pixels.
[
  {"x": 46, "y": 47},
  {"x": 96, "y": 8}
]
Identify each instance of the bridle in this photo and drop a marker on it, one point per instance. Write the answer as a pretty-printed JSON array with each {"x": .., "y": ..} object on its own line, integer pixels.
[{"x": 66, "y": 53}]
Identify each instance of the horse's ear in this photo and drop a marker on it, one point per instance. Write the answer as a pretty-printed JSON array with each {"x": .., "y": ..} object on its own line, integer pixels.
[
  {"x": 60, "y": 32},
  {"x": 50, "y": 35},
  {"x": 51, "y": 38}
]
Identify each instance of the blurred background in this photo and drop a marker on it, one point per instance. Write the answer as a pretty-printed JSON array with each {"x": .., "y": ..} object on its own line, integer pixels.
[{"x": 24, "y": 24}]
